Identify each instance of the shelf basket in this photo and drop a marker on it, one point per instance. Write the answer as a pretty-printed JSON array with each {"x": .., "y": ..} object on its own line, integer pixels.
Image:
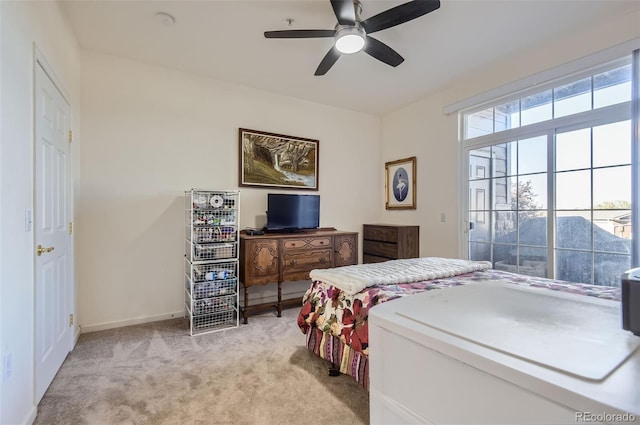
[
  {"x": 211, "y": 259},
  {"x": 222, "y": 320}
]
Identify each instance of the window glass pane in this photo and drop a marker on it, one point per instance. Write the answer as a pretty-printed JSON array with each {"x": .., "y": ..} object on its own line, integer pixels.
[
  {"x": 532, "y": 155},
  {"x": 573, "y": 150},
  {"x": 573, "y": 229},
  {"x": 523, "y": 259},
  {"x": 479, "y": 251},
  {"x": 609, "y": 268},
  {"x": 621, "y": 223},
  {"x": 480, "y": 229},
  {"x": 532, "y": 192},
  {"x": 612, "y": 187},
  {"x": 505, "y": 222},
  {"x": 505, "y": 257},
  {"x": 478, "y": 189},
  {"x": 612, "y": 144},
  {"x": 533, "y": 261},
  {"x": 507, "y": 116},
  {"x": 573, "y": 266},
  {"x": 536, "y": 108},
  {"x": 612, "y": 87},
  {"x": 503, "y": 156},
  {"x": 572, "y": 98},
  {"x": 479, "y": 161},
  {"x": 573, "y": 190},
  {"x": 532, "y": 229},
  {"x": 479, "y": 123},
  {"x": 501, "y": 194},
  {"x": 608, "y": 232},
  {"x": 480, "y": 171}
]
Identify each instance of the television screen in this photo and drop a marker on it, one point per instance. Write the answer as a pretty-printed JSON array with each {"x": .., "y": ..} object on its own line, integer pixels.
[{"x": 292, "y": 212}]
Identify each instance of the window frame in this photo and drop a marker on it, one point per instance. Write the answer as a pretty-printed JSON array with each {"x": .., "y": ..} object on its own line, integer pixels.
[{"x": 627, "y": 110}]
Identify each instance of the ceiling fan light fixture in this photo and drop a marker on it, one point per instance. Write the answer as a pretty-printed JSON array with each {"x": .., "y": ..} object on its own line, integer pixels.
[
  {"x": 350, "y": 40},
  {"x": 351, "y": 33}
]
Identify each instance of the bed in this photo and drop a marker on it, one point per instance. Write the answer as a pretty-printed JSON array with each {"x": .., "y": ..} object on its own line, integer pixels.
[{"x": 335, "y": 308}]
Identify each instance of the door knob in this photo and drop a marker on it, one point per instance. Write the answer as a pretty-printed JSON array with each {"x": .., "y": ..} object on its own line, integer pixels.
[{"x": 40, "y": 250}]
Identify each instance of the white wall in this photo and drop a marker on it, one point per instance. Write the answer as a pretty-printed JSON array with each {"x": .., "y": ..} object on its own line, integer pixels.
[
  {"x": 22, "y": 24},
  {"x": 149, "y": 134},
  {"x": 423, "y": 130}
]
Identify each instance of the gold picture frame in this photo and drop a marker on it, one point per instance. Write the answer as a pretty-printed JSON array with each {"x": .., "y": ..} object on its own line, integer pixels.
[
  {"x": 271, "y": 160},
  {"x": 400, "y": 184}
]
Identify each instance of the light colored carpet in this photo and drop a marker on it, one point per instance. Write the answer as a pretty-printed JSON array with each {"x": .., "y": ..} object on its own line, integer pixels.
[{"x": 259, "y": 373}]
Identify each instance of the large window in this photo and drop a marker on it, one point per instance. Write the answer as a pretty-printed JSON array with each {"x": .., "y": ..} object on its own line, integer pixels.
[
  {"x": 550, "y": 179},
  {"x": 601, "y": 89}
]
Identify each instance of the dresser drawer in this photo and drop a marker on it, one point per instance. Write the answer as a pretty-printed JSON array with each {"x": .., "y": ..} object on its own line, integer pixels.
[
  {"x": 306, "y": 243},
  {"x": 381, "y": 249},
  {"x": 380, "y": 233},
  {"x": 382, "y": 242},
  {"x": 296, "y": 265},
  {"x": 366, "y": 259}
]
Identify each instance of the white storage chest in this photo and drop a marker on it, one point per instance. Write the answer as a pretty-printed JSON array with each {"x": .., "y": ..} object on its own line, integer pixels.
[{"x": 502, "y": 354}]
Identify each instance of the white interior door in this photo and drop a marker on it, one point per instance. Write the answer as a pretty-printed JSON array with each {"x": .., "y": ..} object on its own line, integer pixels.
[{"x": 53, "y": 331}]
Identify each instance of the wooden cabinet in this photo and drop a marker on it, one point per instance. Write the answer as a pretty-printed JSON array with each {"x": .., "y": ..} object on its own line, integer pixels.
[
  {"x": 345, "y": 247},
  {"x": 300, "y": 256},
  {"x": 382, "y": 242},
  {"x": 285, "y": 257},
  {"x": 259, "y": 260}
]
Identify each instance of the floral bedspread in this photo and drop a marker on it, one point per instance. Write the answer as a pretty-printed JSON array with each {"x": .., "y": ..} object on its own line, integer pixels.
[{"x": 346, "y": 316}]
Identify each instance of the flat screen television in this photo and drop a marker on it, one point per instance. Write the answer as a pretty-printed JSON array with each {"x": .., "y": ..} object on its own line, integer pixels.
[{"x": 291, "y": 212}]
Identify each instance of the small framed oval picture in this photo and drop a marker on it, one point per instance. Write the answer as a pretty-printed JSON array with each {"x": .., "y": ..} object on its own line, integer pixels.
[{"x": 400, "y": 184}]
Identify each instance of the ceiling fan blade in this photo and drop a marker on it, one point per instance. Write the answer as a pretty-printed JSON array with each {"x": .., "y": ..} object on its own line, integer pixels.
[
  {"x": 299, "y": 33},
  {"x": 344, "y": 11},
  {"x": 327, "y": 62},
  {"x": 382, "y": 52},
  {"x": 399, "y": 15}
]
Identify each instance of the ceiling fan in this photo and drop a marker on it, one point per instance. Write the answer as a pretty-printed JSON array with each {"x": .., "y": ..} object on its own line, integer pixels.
[{"x": 352, "y": 34}]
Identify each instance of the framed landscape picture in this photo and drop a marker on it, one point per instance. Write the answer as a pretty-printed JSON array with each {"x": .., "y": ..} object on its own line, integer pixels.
[
  {"x": 277, "y": 161},
  {"x": 400, "y": 184}
]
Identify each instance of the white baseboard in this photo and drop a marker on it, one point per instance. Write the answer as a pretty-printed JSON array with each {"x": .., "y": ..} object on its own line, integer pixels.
[
  {"x": 75, "y": 338},
  {"x": 259, "y": 294},
  {"x": 129, "y": 322},
  {"x": 31, "y": 416}
]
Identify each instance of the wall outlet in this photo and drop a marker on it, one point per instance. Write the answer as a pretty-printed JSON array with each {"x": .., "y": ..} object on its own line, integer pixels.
[
  {"x": 443, "y": 217},
  {"x": 6, "y": 367}
]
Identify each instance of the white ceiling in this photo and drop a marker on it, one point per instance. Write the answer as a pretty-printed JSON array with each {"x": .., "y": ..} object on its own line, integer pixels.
[{"x": 224, "y": 40}]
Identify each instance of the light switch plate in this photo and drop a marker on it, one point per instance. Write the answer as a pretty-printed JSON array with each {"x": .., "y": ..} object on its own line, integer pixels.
[{"x": 28, "y": 220}]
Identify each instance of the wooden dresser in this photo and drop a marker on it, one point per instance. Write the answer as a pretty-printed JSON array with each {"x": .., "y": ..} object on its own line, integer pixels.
[
  {"x": 282, "y": 257},
  {"x": 382, "y": 242}
]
